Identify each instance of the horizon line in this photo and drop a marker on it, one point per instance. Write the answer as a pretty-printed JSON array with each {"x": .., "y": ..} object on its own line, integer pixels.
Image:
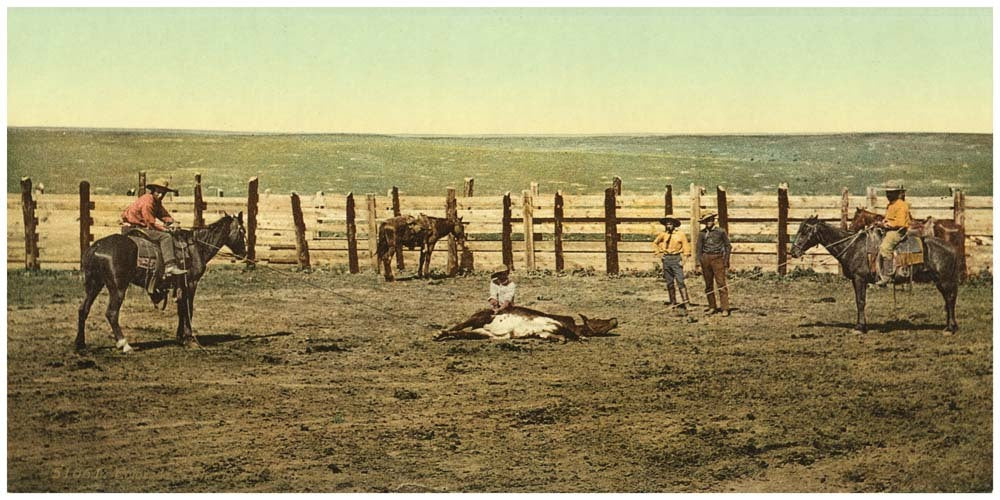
[{"x": 501, "y": 134}]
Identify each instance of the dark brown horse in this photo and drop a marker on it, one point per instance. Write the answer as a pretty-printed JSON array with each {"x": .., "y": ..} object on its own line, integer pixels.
[
  {"x": 851, "y": 250},
  {"x": 423, "y": 231},
  {"x": 111, "y": 263}
]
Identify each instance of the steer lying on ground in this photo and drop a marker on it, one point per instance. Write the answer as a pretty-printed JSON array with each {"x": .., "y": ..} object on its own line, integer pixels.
[{"x": 521, "y": 322}]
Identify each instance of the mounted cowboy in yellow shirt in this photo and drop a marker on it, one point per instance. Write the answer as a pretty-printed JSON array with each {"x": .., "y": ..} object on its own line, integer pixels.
[{"x": 896, "y": 222}]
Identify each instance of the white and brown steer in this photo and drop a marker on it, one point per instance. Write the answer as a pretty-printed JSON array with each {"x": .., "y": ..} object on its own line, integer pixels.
[{"x": 521, "y": 322}]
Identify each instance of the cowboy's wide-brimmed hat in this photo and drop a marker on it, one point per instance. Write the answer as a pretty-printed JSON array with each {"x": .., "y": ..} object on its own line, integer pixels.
[
  {"x": 500, "y": 275},
  {"x": 670, "y": 220},
  {"x": 161, "y": 184},
  {"x": 893, "y": 186},
  {"x": 707, "y": 217}
]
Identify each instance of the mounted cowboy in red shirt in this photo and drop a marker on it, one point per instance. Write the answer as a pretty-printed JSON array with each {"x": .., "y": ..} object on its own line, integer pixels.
[{"x": 146, "y": 214}]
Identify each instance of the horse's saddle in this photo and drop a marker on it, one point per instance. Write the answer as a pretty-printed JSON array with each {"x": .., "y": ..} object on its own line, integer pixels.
[
  {"x": 909, "y": 252},
  {"x": 150, "y": 264}
]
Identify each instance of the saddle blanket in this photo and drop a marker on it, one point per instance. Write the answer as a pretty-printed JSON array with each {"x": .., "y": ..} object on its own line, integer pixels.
[{"x": 909, "y": 251}]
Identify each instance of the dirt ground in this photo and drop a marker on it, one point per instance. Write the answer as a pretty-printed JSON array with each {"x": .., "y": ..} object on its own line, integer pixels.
[{"x": 300, "y": 388}]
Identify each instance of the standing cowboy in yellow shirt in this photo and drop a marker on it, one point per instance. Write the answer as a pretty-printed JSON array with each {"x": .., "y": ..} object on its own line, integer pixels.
[
  {"x": 672, "y": 246},
  {"x": 897, "y": 220}
]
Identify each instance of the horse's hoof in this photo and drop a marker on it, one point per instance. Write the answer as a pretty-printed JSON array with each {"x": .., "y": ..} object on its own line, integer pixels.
[
  {"x": 81, "y": 347},
  {"x": 127, "y": 349},
  {"x": 858, "y": 331}
]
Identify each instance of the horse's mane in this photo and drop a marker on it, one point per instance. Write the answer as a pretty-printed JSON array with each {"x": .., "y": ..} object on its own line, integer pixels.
[{"x": 224, "y": 219}]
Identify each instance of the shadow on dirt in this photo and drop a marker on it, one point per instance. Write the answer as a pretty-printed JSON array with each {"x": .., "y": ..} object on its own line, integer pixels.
[
  {"x": 433, "y": 276},
  {"x": 887, "y": 327},
  {"x": 207, "y": 340}
]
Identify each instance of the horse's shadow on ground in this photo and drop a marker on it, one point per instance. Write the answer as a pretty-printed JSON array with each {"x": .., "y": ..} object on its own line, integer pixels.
[
  {"x": 207, "y": 340},
  {"x": 429, "y": 277},
  {"x": 887, "y": 327}
]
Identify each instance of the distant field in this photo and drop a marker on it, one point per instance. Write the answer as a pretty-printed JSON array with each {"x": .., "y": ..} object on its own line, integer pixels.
[{"x": 814, "y": 164}]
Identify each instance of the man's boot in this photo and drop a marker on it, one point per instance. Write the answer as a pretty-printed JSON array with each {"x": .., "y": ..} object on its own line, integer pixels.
[
  {"x": 171, "y": 269},
  {"x": 684, "y": 300},
  {"x": 673, "y": 296},
  {"x": 884, "y": 270}
]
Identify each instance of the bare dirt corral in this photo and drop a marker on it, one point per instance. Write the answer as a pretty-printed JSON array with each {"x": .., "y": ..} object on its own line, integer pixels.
[{"x": 298, "y": 389}]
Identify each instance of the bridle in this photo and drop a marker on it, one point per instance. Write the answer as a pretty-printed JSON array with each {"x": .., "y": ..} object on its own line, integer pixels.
[
  {"x": 808, "y": 237},
  {"x": 220, "y": 249},
  {"x": 813, "y": 229}
]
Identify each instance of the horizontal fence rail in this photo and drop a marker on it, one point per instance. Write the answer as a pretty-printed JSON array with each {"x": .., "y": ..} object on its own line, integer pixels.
[{"x": 608, "y": 232}]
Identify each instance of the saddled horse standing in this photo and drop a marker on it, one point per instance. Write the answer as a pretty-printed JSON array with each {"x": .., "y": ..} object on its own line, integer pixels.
[
  {"x": 850, "y": 249},
  {"x": 112, "y": 263},
  {"x": 423, "y": 231}
]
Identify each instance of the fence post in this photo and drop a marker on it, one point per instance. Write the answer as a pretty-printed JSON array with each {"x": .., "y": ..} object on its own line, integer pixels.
[
  {"x": 253, "y": 199},
  {"x": 199, "y": 203},
  {"x": 352, "y": 236},
  {"x": 469, "y": 181},
  {"x": 529, "y": 228},
  {"x": 610, "y": 232},
  {"x": 720, "y": 197},
  {"x": 85, "y": 220},
  {"x": 301, "y": 244},
  {"x": 396, "y": 212},
  {"x": 142, "y": 184},
  {"x": 845, "y": 207},
  {"x": 959, "y": 219},
  {"x": 372, "y": 233},
  {"x": 871, "y": 197},
  {"x": 695, "y": 214},
  {"x": 507, "y": 247},
  {"x": 451, "y": 213},
  {"x": 534, "y": 190},
  {"x": 557, "y": 212},
  {"x": 30, "y": 224},
  {"x": 958, "y": 207},
  {"x": 668, "y": 200},
  {"x": 782, "y": 228},
  {"x": 616, "y": 183}
]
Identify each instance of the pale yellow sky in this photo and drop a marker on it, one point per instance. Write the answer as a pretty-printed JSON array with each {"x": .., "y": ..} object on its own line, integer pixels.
[{"x": 518, "y": 71}]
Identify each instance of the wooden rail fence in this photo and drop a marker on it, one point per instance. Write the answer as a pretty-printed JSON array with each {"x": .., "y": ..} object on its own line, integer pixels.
[{"x": 610, "y": 232}]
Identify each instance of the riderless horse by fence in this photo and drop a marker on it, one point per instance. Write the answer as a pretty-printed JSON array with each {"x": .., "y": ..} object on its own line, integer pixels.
[
  {"x": 115, "y": 262},
  {"x": 423, "y": 231},
  {"x": 852, "y": 250},
  {"x": 940, "y": 228}
]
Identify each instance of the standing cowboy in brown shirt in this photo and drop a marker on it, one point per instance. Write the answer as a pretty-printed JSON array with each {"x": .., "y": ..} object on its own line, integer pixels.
[{"x": 712, "y": 252}]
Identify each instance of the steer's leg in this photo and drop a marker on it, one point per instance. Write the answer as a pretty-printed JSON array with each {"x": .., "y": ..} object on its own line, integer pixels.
[
  {"x": 478, "y": 320},
  {"x": 465, "y": 335}
]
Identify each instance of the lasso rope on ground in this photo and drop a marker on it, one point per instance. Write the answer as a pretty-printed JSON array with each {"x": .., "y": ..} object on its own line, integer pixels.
[
  {"x": 432, "y": 327},
  {"x": 320, "y": 287}
]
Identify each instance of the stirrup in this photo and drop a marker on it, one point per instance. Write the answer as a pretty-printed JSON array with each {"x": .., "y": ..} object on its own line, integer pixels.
[{"x": 173, "y": 271}]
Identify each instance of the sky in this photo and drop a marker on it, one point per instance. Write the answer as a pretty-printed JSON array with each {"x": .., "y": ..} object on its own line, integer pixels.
[{"x": 503, "y": 71}]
